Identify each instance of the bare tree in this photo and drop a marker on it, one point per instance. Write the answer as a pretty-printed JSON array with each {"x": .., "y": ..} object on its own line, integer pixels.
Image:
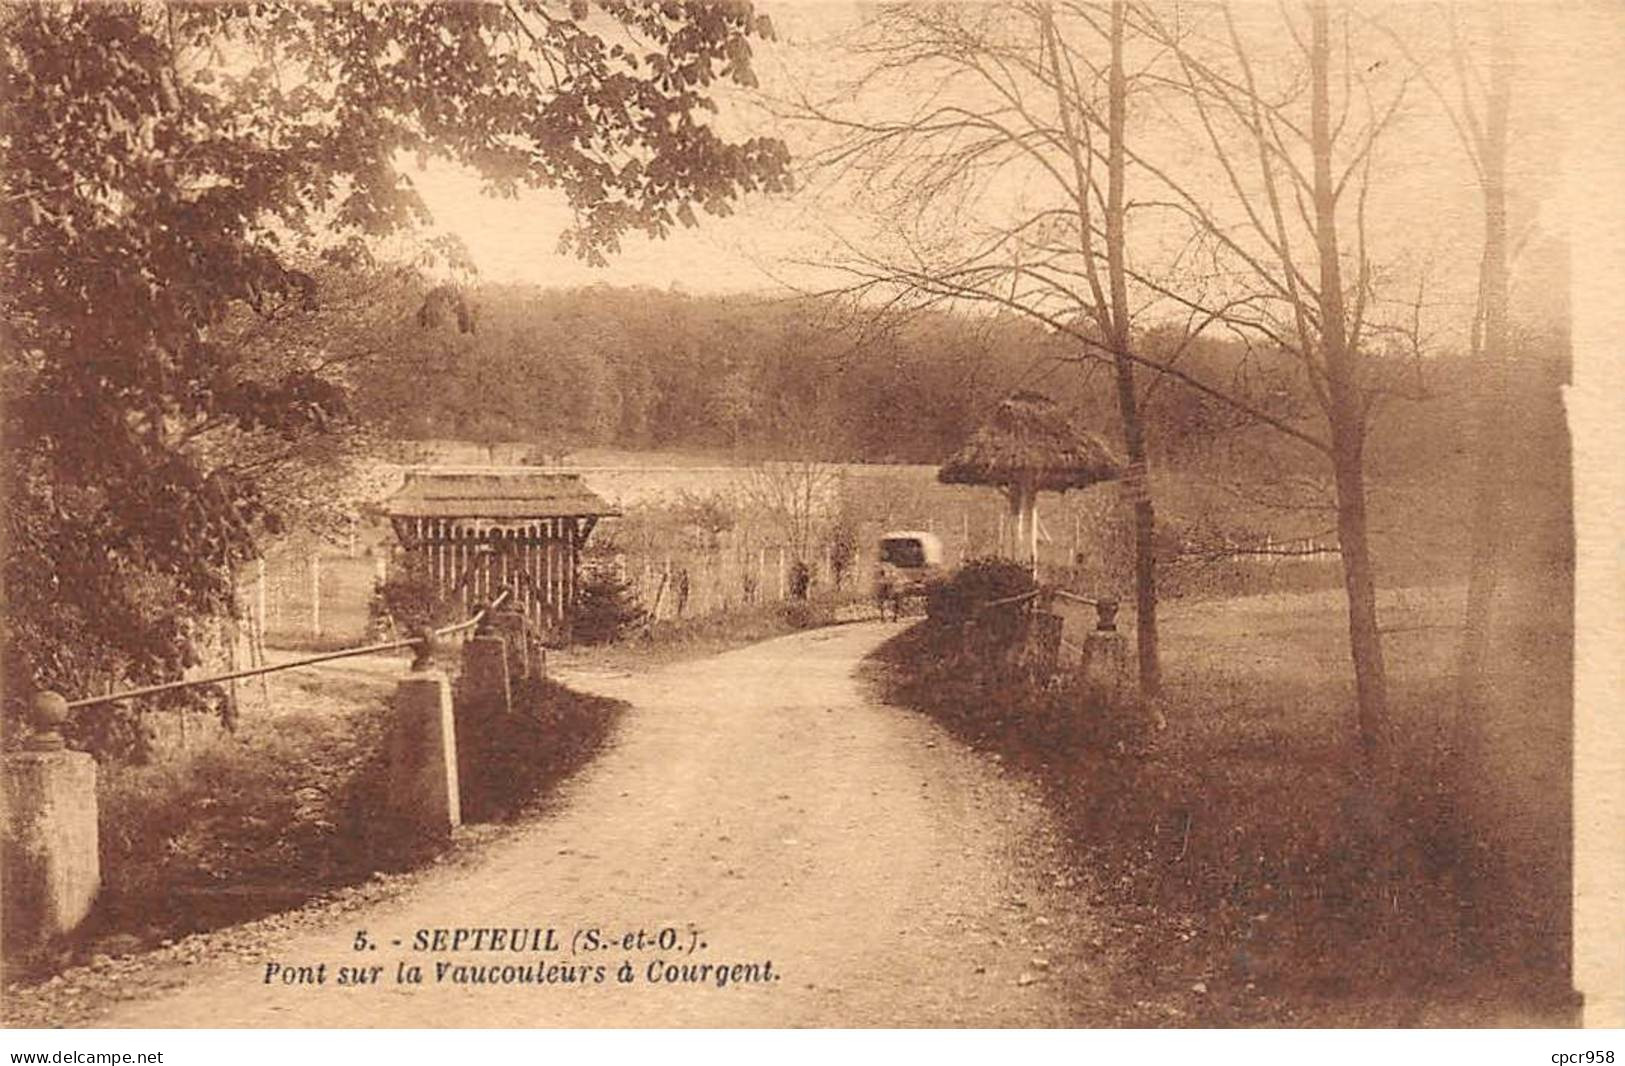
[
  {"x": 1021, "y": 101},
  {"x": 798, "y": 494},
  {"x": 1479, "y": 106},
  {"x": 798, "y": 497},
  {"x": 1295, "y": 209},
  {"x": 1115, "y": 319},
  {"x": 1269, "y": 214}
]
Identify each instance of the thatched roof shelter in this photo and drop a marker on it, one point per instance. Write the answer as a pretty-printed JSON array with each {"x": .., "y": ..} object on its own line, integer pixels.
[
  {"x": 1028, "y": 446},
  {"x": 1030, "y": 438}
]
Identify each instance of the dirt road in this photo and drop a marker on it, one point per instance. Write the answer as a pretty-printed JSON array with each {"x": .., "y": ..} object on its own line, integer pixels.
[{"x": 761, "y": 804}]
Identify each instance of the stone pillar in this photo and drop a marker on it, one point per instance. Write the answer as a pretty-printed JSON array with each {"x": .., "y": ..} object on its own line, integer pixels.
[
  {"x": 422, "y": 750},
  {"x": 484, "y": 705},
  {"x": 52, "y": 867},
  {"x": 1104, "y": 663},
  {"x": 484, "y": 681},
  {"x": 1041, "y": 643}
]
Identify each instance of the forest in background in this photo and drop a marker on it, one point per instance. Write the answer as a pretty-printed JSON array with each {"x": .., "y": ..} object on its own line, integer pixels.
[{"x": 753, "y": 377}]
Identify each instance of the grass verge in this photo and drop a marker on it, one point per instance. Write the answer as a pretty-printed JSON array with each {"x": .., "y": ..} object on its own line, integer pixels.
[
  {"x": 1251, "y": 878},
  {"x": 287, "y": 809}
]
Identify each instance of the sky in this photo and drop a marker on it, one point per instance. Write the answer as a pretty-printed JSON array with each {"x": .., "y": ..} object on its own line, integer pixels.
[
  {"x": 516, "y": 241},
  {"x": 1432, "y": 206},
  {"x": 750, "y": 251}
]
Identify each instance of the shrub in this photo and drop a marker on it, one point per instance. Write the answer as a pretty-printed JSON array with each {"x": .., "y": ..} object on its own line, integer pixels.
[
  {"x": 999, "y": 705},
  {"x": 279, "y": 806},
  {"x": 843, "y": 550},
  {"x": 409, "y": 600},
  {"x": 606, "y": 607},
  {"x": 113, "y": 732},
  {"x": 979, "y": 581},
  {"x": 801, "y": 578}
]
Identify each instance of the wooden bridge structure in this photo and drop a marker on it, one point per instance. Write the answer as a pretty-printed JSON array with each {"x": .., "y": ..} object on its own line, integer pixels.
[{"x": 477, "y": 534}]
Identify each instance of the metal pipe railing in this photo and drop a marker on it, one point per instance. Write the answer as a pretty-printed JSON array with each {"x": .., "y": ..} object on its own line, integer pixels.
[
  {"x": 1018, "y": 598},
  {"x": 1106, "y": 607},
  {"x": 309, "y": 660},
  {"x": 478, "y": 616}
]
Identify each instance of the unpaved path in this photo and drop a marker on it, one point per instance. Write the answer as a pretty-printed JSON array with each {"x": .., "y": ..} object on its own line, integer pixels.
[{"x": 760, "y": 802}]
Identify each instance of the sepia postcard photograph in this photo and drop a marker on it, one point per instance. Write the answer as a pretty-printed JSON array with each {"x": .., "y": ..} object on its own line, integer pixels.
[{"x": 1047, "y": 514}]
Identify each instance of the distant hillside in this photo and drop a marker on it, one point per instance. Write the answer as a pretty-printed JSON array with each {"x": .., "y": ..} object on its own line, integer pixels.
[
  {"x": 648, "y": 370},
  {"x": 554, "y": 373}
]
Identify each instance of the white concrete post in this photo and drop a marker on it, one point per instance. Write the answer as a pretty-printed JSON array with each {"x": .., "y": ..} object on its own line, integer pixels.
[
  {"x": 484, "y": 702},
  {"x": 422, "y": 751},
  {"x": 52, "y": 866}
]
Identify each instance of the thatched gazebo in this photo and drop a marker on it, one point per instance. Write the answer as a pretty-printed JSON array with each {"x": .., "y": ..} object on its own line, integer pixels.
[{"x": 1029, "y": 446}]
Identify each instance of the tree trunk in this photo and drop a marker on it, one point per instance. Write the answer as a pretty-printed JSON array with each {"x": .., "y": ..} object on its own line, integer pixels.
[
  {"x": 1490, "y": 379},
  {"x": 1346, "y": 414},
  {"x": 1145, "y": 543},
  {"x": 1360, "y": 585}
]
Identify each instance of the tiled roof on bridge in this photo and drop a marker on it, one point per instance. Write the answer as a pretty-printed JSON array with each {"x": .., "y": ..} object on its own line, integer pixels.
[{"x": 516, "y": 495}]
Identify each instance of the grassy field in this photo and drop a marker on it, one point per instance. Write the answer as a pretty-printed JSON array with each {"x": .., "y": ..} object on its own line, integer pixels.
[
  {"x": 1083, "y": 536},
  {"x": 1248, "y": 877}
]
